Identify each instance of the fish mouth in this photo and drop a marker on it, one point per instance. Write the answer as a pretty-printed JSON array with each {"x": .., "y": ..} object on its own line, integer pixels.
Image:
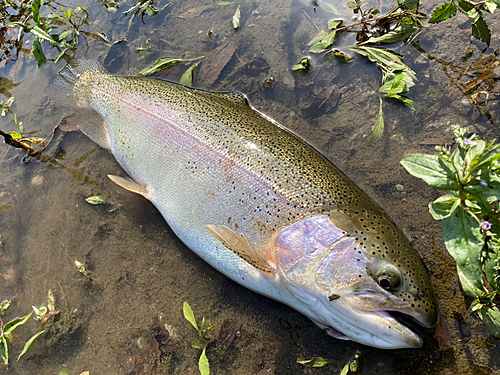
[{"x": 381, "y": 329}]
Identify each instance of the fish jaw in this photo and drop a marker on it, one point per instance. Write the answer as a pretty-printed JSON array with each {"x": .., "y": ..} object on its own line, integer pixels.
[{"x": 343, "y": 321}]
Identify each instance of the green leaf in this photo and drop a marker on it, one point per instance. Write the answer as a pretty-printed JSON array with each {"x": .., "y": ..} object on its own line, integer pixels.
[
  {"x": 491, "y": 263},
  {"x": 36, "y": 31},
  {"x": 28, "y": 344},
  {"x": 236, "y": 18},
  {"x": 4, "y": 306},
  {"x": 490, "y": 6},
  {"x": 333, "y": 23},
  {"x": 203, "y": 364},
  {"x": 6, "y": 207},
  {"x": 317, "y": 38},
  {"x": 335, "y": 56},
  {"x": 394, "y": 86},
  {"x": 187, "y": 77},
  {"x": 189, "y": 315},
  {"x": 443, "y": 12},
  {"x": 410, "y": 4},
  {"x": 316, "y": 362},
  {"x": 403, "y": 99},
  {"x": 159, "y": 65},
  {"x": 9, "y": 327},
  {"x": 222, "y": 2},
  {"x": 464, "y": 241},
  {"x": 4, "y": 350},
  {"x": 481, "y": 31},
  {"x": 434, "y": 170},
  {"x": 35, "y": 8},
  {"x": 95, "y": 199},
  {"x": 401, "y": 32},
  {"x": 37, "y": 51},
  {"x": 352, "y": 5},
  {"x": 491, "y": 318},
  {"x": 378, "y": 128},
  {"x": 304, "y": 64},
  {"x": 444, "y": 206}
]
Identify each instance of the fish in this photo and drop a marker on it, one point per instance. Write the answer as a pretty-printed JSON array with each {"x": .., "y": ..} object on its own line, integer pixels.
[{"x": 258, "y": 203}]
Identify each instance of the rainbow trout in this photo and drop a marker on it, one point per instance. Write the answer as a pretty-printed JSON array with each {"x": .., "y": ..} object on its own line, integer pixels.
[{"x": 259, "y": 204}]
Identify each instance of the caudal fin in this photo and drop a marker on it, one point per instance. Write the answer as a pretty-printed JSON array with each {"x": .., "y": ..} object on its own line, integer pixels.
[{"x": 62, "y": 87}]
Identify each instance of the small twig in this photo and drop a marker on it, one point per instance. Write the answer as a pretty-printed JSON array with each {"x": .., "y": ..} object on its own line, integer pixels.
[{"x": 310, "y": 19}]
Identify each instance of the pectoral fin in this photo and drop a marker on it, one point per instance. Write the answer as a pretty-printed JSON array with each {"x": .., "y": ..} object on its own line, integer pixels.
[
  {"x": 129, "y": 185},
  {"x": 241, "y": 246}
]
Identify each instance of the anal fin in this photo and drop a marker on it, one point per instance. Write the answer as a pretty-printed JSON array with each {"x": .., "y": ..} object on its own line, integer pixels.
[
  {"x": 129, "y": 185},
  {"x": 241, "y": 246}
]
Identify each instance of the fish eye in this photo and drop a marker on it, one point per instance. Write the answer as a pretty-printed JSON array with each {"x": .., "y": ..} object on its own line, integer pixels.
[{"x": 388, "y": 277}]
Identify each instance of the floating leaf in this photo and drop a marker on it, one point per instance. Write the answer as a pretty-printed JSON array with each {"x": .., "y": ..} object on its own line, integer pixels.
[
  {"x": 96, "y": 199},
  {"x": 304, "y": 64},
  {"x": 378, "y": 128},
  {"x": 187, "y": 77},
  {"x": 4, "y": 306},
  {"x": 35, "y": 8},
  {"x": 159, "y": 65},
  {"x": 236, "y": 18},
  {"x": 28, "y": 344},
  {"x": 5, "y": 208},
  {"x": 401, "y": 32},
  {"x": 434, "y": 170},
  {"x": 51, "y": 301},
  {"x": 333, "y": 23},
  {"x": 189, "y": 315},
  {"x": 443, "y": 12},
  {"x": 410, "y": 4},
  {"x": 37, "y": 52},
  {"x": 316, "y": 362},
  {"x": 9, "y": 327},
  {"x": 4, "y": 350},
  {"x": 480, "y": 30},
  {"x": 203, "y": 364}
]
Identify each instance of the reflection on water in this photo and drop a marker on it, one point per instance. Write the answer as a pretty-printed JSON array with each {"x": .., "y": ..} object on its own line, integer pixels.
[{"x": 131, "y": 320}]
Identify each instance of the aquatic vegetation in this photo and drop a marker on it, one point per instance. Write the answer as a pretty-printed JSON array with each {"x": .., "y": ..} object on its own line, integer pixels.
[
  {"x": 470, "y": 214},
  {"x": 236, "y": 18},
  {"x": 403, "y": 22},
  {"x": 203, "y": 330},
  {"x": 61, "y": 28},
  {"x": 7, "y": 331},
  {"x": 351, "y": 365},
  {"x": 472, "y": 10}
]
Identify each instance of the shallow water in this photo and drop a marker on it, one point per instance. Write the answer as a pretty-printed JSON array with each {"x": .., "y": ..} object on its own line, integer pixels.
[{"x": 129, "y": 319}]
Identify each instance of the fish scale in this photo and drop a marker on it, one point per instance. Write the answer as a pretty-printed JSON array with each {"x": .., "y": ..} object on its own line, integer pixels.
[{"x": 245, "y": 193}]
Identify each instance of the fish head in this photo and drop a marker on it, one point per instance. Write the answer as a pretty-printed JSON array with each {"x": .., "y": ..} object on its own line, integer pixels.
[{"x": 350, "y": 288}]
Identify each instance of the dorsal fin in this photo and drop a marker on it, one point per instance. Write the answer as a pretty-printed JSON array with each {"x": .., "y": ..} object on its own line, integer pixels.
[{"x": 241, "y": 246}]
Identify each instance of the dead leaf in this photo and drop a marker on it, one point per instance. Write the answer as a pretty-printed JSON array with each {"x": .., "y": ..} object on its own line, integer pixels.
[{"x": 213, "y": 64}]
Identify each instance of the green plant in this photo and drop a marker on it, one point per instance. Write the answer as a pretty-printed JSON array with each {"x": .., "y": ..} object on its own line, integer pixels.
[
  {"x": 403, "y": 22},
  {"x": 351, "y": 364},
  {"x": 7, "y": 331},
  {"x": 61, "y": 28},
  {"x": 203, "y": 330},
  {"x": 470, "y": 214},
  {"x": 472, "y": 10}
]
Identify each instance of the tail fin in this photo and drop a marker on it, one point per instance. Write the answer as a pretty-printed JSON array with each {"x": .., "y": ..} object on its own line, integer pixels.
[
  {"x": 71, "y": 88},
  {"x": 62, "y": 87}
]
